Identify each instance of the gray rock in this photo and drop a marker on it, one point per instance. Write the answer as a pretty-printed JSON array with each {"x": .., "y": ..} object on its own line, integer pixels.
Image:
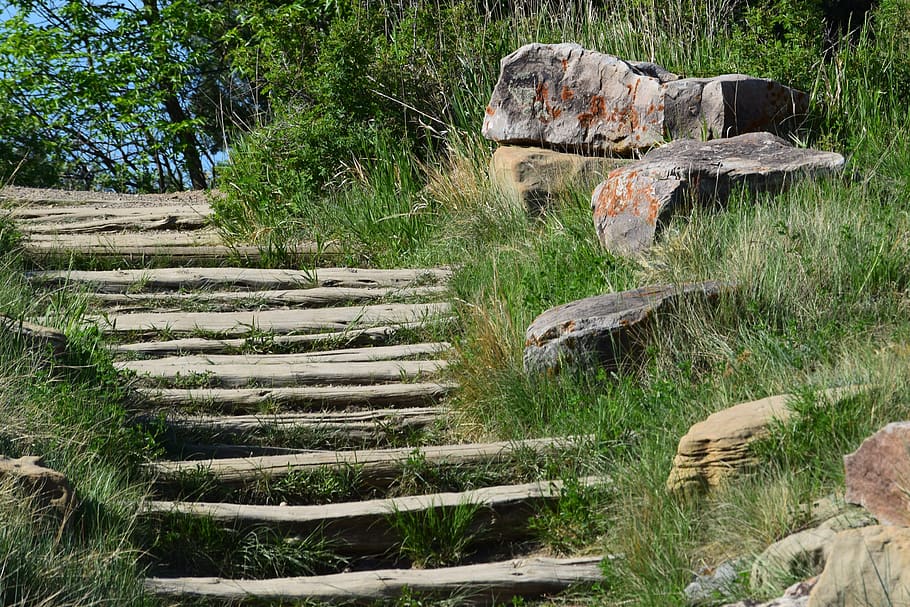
[
  {"x": 604, "y": 330},
  {"x": 720, "y": 583},
  {"x": 796, "y": 595},
  {"x": 635, "y": 200},
  {"x": 566, "y": 97},
  {"x": 878, "y": 473},
  {"x": 535, "y": 176}
]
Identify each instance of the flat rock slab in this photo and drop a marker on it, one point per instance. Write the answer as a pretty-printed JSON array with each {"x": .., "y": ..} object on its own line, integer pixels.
[
  {"x": 536, "y": 176},
  {"x": 868, "y": 566},
  {"x": 484, "y": 584},
  {"x": 604, "y": 330},
  {"x": 636, "y": 199},
  {"x": 565, "y": 97},
  {"x": 878, "y": 474}
]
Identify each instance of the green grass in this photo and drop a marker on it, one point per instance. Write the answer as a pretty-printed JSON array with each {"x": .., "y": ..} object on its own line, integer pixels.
[{"x": 437, "y": 537}]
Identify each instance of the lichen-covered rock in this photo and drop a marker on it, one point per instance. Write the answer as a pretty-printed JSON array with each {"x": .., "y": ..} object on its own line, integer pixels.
[
  {"x": 566, "y": 97},
  {"x": 867, "y": 566},
  {"x": 878, "y": 474},
  {"x": 631, "y": 204},
  {"x": 535, "y": 176},
  {"x": 49, "y": 488},
  {"x": 603, "y": 330}
]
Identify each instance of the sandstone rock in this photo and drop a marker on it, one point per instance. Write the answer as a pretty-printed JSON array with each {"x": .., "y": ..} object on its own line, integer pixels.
[
  {"x": 868, "y": 566},
  {"x": 566, "y": 97},
  {"x": 50, "y": 488},
  {"x": 804, "y": 553},
  {"x": 535, "y": 176},
  {"x": 719, "y": 447},
  {"x": 603, "y": 330},
  {"x": 34, "y": 336},
  {"x": 878, "y": 474},
  {"x": 631, "y": 204}
]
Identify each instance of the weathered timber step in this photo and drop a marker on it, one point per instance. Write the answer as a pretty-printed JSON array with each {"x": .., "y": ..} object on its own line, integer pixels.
[
  {"x": 201, "y": 363},
  {"x": 299, "y": 374},
  {"x": 318, "y": 296},
  {"x": 483, "y": 584},
  {"x": 122, "y": 281},
  {"x": 352, "y": 424},
  {"x": 364, "y": 527},
  {"x": 197, "y": 243},
  {"x": 248, "y": 399},
  {"x": 96, "y": 218},
  {"x": 275, "y": 321},
  {"x": 377, "y": 467},
  {"x": 202, "y": 345}
]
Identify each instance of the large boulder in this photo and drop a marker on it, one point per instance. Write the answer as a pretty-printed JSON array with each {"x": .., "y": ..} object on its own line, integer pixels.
[
  {"x": 878, "y": 474},
  {"x": 604, "y": 330},
  {"x": 535, "y": 176},
  {"x": 631, "y": 204},
  {"x": 867, "y": 566},
  {"x": 566, "y": 97},
  {"x": 50, "y": 489}
]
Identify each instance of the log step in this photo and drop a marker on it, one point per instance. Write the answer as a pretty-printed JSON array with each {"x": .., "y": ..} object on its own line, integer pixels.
[
  {"x": 319, "y": 296},
  {"x": 483, "y": 584},
  {"x": 122, "y": 281},
  {"x": 352, "y": 424},
  {"x": 377, "y": 467},
  {"x": 249, "y": 399},
  {"x": 201, "y": 363},
  {"x": 364, "y": 527},
  {"x": 202, "y": 345},
  {"x": 298, "y": 374},
  {"x": 274, "y": 321}
]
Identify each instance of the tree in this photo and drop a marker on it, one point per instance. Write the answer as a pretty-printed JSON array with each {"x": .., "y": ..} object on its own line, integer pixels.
[{"x": 124, "y": 94}]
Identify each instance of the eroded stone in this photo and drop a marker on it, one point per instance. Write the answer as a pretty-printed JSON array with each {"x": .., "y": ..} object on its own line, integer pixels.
[
  {"x": 635, "y": 200},
  {"x": 604, "y": 330},
  {"x": 535, "y": 176},
  {"x": 867, "y": 566},
  {"x": 566, "y": 97},
  {"x": 50, "y": 488},
  {"x": 878, "y": 474}
]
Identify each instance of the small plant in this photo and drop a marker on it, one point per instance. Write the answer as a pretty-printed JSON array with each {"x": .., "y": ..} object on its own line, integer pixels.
[{"x": 437, "y": 536}]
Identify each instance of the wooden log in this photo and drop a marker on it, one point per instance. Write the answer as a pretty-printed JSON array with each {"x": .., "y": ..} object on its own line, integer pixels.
[
  {"x": 99, "y": 226},
  {"x": 251, "y": 399},
  {"x": 302, "y": 374},
  {"x": 355, "y": 424},
  {"x": 319, "y": 296},
  {"x": 376, "y": 466},
  {"x": 274, "y": 321},
  {"x": 483, "y": 584},
  {"x": 35, "y": 336},
  {"x": 364, "y": 527},
  {"x": 122, "y": 281},
  {"x": 201, "y": 345},
  {"x": 64, "y": 214},
  {"x": 201, "y": 363}
]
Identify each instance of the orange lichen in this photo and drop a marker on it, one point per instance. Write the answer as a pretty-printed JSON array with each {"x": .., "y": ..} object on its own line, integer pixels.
[
  {"x": 490, "y": 111},
  {"x": 628, "y": 191},
  {"x": 567, "y": 94}
]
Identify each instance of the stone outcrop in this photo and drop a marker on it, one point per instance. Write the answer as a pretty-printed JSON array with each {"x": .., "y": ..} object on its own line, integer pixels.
[
  {"x": 49, "y": 488},
  {"x": 535, "y": 176},
  {"x": 632, "y": 203},
  {"x": 604, "y": 330},
  {"x": 804, "y": 553},
  {"x": 878, "y": 474},
  {"x": 719, "y": 447},
  {"x": 566, "y": 97},
  {"x": 796, "y": 595},
  {"x": 868, "y": 566}
]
